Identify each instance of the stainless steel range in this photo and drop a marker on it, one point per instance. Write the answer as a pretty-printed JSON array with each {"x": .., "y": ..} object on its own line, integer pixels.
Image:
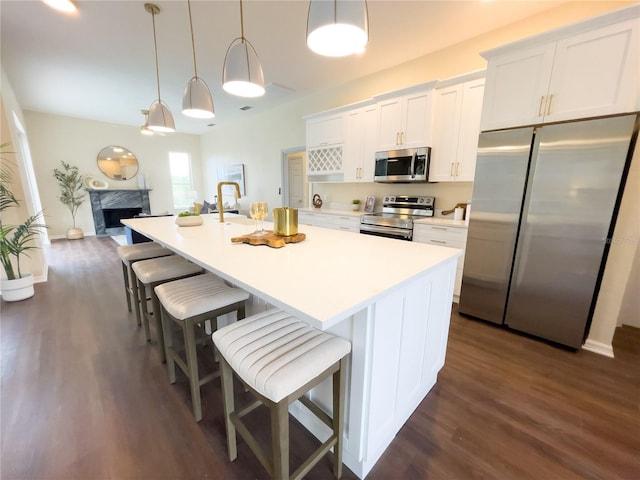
[{"x": 397, "y": 216}]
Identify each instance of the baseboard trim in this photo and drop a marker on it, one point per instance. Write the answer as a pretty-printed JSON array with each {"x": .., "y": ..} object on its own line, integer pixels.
[{"x": 599, "y": 348}]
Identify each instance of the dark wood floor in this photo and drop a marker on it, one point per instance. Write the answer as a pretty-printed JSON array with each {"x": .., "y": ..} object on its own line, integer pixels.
[{"x": 85, "y": 397}]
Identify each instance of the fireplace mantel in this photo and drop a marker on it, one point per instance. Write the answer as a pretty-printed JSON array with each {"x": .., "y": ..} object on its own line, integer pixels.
[{"x": 116, "y": 199}]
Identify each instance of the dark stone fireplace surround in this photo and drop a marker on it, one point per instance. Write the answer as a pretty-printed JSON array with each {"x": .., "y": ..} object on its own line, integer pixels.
[{"x": 117, "y": 204}]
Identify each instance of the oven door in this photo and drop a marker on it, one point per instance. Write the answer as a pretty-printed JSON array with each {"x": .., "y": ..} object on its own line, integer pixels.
[{"x": 384, "y": 231}]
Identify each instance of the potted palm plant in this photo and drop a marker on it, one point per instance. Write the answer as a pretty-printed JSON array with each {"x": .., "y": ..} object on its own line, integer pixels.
[
  {"x": 15, "y": 241},
  {"x": 71, "y": 182}
]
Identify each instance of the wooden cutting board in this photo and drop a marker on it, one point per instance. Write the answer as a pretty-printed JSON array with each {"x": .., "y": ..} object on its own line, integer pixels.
[{"x": 270, "y": 239}]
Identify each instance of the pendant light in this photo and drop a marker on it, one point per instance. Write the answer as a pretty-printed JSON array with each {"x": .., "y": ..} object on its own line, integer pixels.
[
  {"x": 196, "y": 101},
  {"x": 242, "y": 72},
  {"x": 337, "y": 28},
  {"x": 160, "y": 118}
]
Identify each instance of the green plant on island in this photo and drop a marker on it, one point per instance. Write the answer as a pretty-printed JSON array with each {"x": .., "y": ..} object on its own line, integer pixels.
[
  {"x": 15, "y": 240},
  {"x": 188, "y": 214},
  {"x": 356, "y": 201}
]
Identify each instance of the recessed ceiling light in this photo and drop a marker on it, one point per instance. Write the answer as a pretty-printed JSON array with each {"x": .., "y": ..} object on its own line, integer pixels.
[{"x": 62, "y": 5}]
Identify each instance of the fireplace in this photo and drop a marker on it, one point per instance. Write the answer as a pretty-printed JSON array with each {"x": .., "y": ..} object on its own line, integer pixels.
[
  {"x": 112, "y": 216},
  {"x": 110, "y": 206}
]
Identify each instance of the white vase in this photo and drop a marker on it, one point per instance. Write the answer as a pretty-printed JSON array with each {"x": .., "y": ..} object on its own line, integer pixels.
[
  {"x": 75, "y": 234},
  {"x": 17, "y": 289}
]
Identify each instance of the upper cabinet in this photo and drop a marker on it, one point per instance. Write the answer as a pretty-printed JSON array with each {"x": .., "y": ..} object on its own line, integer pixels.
[
  {"x": 585, "y": 70},
  {"x": 360, "y": 142},
  {"x": 456, "y": 127},
  {"x": 325, "y": 139},
  {"x": 325, "y": 130},
  {"x": 404, "y": 119}
]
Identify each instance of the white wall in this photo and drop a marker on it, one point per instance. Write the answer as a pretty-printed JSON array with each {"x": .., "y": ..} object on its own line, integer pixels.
[
  {"x": 35, "y": 263},
  {"x": 54, "y": 138},
  {"x": 620, "y": 276}
]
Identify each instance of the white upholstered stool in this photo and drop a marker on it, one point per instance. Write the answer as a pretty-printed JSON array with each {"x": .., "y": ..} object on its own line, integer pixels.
[
  {"x": 133, "y": 253},
  {"x": 190, "y": 302},
  {"x": 280, "y": 358},
  {"x": 151, "y": 273}
]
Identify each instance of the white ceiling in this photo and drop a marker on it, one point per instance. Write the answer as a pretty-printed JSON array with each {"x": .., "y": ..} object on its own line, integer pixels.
[{"x": 99, "y": 63}]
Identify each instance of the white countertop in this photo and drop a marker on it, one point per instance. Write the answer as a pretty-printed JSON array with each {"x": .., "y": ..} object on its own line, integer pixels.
[{"x": 327, "y": 277}]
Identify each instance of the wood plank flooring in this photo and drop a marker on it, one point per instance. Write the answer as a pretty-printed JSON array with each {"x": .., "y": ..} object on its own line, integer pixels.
[{"x": 83, "y": 396}]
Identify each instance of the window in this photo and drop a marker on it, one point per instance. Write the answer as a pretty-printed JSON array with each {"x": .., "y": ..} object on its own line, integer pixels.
[{"x": 180, "y": 167}]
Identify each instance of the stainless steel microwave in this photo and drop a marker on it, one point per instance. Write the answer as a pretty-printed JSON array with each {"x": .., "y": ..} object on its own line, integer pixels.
[{"x": 410, "y": 165}]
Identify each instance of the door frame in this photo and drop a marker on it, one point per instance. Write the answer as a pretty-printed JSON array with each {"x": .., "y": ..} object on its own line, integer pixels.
[{"x": 284, "y": 172}]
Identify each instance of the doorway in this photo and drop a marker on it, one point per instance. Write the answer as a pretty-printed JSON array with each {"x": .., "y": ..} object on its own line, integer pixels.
[{"x": 294, "y": 178}]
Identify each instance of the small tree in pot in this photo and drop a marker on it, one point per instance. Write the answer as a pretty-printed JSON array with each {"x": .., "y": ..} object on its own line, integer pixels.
[
  {"x": 15, "y": 241},
  {"x": 71, "y": 182}
]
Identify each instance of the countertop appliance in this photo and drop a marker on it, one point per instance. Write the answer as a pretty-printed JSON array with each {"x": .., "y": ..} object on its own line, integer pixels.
[
  {"x": 397, "y": 216},
  {"x": 545, "y": 201},
  {"x": 410, "y": 165}
]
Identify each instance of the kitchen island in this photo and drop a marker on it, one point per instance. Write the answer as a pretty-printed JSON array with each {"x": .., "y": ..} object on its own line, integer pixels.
[{"x": 391, "y": 299}]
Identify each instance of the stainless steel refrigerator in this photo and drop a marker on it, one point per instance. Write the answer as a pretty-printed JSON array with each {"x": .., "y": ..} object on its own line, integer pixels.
[{"x": 544, "y": 205}]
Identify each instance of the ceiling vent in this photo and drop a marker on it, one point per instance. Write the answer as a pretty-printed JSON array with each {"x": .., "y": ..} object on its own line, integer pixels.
[{"x": 246, "y": 107}]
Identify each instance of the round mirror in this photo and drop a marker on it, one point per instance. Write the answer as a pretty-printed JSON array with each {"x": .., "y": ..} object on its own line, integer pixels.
[{"x": 117, "y": 163}]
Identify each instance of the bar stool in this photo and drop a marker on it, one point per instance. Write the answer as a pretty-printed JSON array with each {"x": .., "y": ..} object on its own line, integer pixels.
[
  {"x": 151, "y": 273},
  {"x": 280, "y": 358},
  {"x": 189, "y": 303},
  {"x": 133, "y": 253}
]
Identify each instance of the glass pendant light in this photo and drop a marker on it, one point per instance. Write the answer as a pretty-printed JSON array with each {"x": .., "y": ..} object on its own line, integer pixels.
[
  {"x": 160, "y": 118},
  {"x": 196, "y": 101},
  {"x": 242, "y": 73},
  {"x": 337, "y": 28}
]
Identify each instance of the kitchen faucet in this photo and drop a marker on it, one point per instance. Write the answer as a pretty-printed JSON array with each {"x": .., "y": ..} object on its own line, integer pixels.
[{"x": 220, "y": 202}]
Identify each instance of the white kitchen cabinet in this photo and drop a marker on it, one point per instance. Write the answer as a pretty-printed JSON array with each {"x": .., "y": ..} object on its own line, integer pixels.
[
  {"x": 404, "y": 121},
  {"x": 457, "y": 110},
  {"x": 444, "y": 236},
  {"x": 325, "y": 130},
  {"x": 584, "y": 70},
  {"x": 359, "y": 146},
  {"x": 325, "y": 138},
  {"x": 335, "y": 221}
]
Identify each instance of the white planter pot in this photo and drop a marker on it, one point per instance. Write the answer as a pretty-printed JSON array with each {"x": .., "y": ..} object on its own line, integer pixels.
[
  {"x": 18, "y": 289},
  {"x": 75, "y": 234}
]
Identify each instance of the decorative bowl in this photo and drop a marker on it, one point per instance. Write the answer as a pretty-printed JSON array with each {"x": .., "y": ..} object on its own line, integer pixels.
[{"x": 190, "y": 221}]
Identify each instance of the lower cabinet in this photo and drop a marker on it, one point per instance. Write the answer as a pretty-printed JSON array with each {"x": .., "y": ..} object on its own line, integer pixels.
[
  {"x": 445, "y": 236},
  {"x": 350, "y": 223}
]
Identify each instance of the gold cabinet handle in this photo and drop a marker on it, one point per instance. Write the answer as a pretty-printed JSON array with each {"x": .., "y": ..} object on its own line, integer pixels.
[
  {"x": 451, "y": 172},
  {"x": 439, "y": 228},
  {"x": 397, "y": 138},
  {"x": 541, "y": 106},
  {"x": 549, "y": 104},
  {"x": 439, "y": 241},
  {"x": 457, "y": 169}
]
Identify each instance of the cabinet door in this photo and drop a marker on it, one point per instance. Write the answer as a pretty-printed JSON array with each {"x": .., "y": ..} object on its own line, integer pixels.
[
  {"x": 324, "y": 131},
  {"x": 370, "y": 130},
  {"x": 472, "y": 95},
  {"x": 516, "y": 88},
  {"x": 353, "y": 145},
  {"x": 389, "y": 123},
  {"x": 595, "y": 73},
  {"x": 446, "y": 127},
  {"x": 416, "y": 126}
]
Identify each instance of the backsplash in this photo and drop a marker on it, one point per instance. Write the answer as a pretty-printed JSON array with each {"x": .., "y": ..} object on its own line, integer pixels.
[{"x": 338, "y": 196}]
